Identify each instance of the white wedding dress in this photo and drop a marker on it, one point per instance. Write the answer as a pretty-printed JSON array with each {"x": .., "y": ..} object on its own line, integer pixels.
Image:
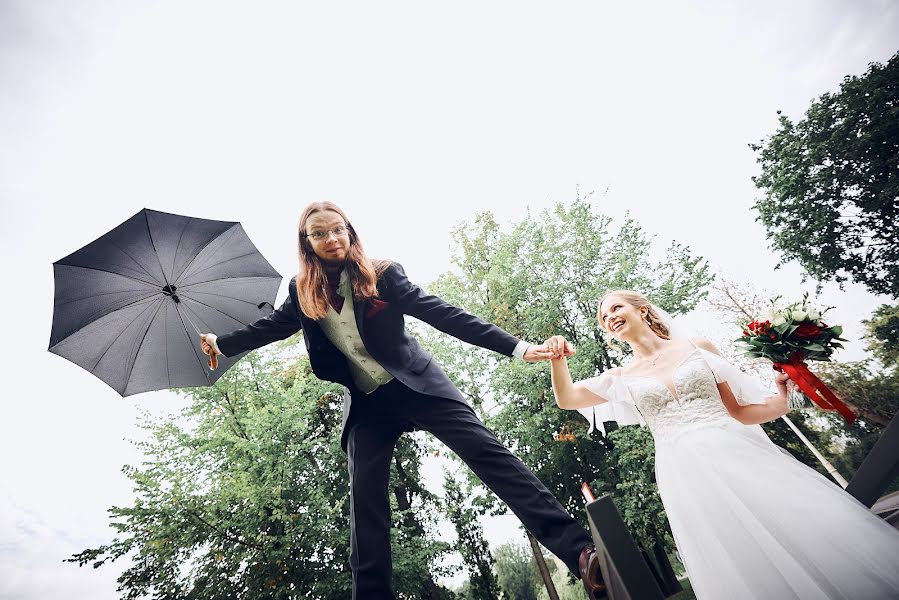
[{"x": 749, "y": 520}]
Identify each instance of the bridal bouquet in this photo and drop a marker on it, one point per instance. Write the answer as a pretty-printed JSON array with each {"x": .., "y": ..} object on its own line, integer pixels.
[
  {"x": 779, "y": 333},
  {"x": 790, "y": 335}
]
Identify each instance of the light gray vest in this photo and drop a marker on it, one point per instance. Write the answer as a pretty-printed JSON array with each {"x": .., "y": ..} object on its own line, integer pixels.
[{"x": 341, "y": 329}]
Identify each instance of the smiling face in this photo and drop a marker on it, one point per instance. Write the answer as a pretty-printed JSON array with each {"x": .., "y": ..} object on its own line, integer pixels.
[
  {"x": 333, "y": 248},
  {"x": 621, "y": 317}
]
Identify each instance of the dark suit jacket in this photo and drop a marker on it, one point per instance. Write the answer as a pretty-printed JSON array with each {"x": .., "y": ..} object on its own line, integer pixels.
[{"x": 382, "y": 328}]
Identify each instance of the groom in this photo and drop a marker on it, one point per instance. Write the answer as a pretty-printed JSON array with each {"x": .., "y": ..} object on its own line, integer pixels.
[{"x": 351, "y": 310}]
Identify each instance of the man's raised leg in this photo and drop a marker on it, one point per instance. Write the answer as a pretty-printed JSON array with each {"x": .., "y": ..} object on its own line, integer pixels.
[{"x": 457, "y": 426}]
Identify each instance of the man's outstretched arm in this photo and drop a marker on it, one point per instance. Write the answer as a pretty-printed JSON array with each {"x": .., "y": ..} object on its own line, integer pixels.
[{"x": 442, "y": 315}]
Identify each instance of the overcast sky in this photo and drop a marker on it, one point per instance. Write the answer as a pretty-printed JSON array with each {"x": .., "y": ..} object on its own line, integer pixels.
[{"x": 412, "y": 116}]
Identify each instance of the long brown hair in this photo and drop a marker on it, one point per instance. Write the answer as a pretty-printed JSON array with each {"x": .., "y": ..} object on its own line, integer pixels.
[
  {"x": 312, "y": 281},
  {"x": 638, "y": 301}
]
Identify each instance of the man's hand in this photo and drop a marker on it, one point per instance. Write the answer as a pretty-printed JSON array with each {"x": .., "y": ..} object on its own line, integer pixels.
[
  {"x": 536, "y": 354},
  {"x": 210, "y": 347},
  {"x": 559, "y": 347}
]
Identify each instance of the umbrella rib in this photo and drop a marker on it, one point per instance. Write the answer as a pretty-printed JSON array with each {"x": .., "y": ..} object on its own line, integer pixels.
[
  {"x": 152, "y": 284},
  {"x": 193, "y": 292},
  {"x": 141, "y": 345},
  {"x": 153, "y": 293},
  {"x": 199, "y": 360},
  {"x": 92, "y": 318},
  {"x": 189, "y": 285},
  {"x": 155, "y": 251},
  {"x": 187, "y": 312},
  {"x": 178, "y": 246},
  {"x": 236, "y": 320},
  {"x": 120, "y": 335},
  {"x": 230, "y": 230},
  {"x": 224, "y": 262},
  {"x": 122, "y": 250}
]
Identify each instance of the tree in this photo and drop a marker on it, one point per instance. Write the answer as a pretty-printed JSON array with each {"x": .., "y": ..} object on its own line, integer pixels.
[
  {"x": 482, "y": 583},
  {"x": 516, "y": 572},
  {"x": 831, "y": 183},
  {"x": 245, "y": 495},
  {"x": 544, "y": 277},
  {"x": 883, "y": 334},
  {"x": 872, "y": 394}
]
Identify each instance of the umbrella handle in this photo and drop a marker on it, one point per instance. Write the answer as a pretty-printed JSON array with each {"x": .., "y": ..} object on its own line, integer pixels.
[{"x": 213, "y": 357}]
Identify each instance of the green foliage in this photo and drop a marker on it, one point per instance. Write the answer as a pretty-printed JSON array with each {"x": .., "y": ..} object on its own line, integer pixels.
[
  {"x": 871, "y": 393},
  {"x": 637, "y": 497},
  {"x": 482, "y": 582},
  {"x": 830, "y": 183},
  {"x": 516, "y": 572},
  {"x": 545, "y": 277},
  {"x": 883, "y": 334},
  {"x": 245, "y": 495},
  {"x": 567, "y": 588}
]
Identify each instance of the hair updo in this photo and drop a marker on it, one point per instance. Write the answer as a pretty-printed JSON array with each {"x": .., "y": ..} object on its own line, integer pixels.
[{"x": 638, "y": 301}]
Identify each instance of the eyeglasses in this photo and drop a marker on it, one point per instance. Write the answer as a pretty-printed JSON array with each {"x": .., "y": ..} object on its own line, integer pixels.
[{"x": 339, "y": 231}]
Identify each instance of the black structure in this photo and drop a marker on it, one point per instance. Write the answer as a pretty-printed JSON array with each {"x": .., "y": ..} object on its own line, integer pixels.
[
  {"x": 129, "y": 306},
  {"x": 880, "y": 467},
  {"x": 626, "y": 573}
]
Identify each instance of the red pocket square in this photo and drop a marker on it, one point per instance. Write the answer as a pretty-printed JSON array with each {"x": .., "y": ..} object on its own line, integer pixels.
[{"x": 376, "y": 307}]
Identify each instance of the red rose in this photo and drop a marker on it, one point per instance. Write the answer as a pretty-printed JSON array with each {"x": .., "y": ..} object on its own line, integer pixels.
[{"x": 807, "y": 330}]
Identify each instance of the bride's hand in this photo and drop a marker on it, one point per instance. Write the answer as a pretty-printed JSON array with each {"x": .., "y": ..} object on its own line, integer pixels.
[
  {"x": 559, "y": 346},
  {"x": 783, "y": 382}
]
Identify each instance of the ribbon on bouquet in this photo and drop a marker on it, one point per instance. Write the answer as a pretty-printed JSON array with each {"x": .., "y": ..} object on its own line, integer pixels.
[{"x": 814, "y": 388}]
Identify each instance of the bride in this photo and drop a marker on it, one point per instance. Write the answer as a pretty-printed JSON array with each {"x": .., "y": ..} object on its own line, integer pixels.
[{"x": 748, "y": 519}]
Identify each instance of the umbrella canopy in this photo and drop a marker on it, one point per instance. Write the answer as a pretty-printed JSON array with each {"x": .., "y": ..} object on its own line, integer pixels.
[{"x": 130, "y": 305}]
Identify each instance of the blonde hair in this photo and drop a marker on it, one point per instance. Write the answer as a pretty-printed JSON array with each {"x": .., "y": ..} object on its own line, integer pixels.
[
  {"x": 638, "y": 301},
  {"x": 312, "y": 282}
]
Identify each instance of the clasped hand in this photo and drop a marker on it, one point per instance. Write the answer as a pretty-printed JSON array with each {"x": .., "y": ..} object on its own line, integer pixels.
[{"x": 553, "y": 348}]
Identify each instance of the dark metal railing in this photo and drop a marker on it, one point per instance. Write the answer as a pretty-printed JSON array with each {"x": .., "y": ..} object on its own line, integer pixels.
[
  {"x": 624, "y": 570},
  {"x": 879, "y": 469}
]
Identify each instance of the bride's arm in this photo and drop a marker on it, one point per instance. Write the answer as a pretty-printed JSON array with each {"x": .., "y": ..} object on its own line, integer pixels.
[
  {"x": 569, "y": 395},
  {"x": 754, "y": 414},
  {"x": 751, "y": 414}
]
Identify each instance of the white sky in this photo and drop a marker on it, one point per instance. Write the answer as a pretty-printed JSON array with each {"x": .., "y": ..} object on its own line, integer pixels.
[{"x": 412, "y": 116}]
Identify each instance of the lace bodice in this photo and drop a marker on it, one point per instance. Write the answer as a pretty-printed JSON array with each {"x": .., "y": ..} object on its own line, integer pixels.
[{"x": 697, "y": 404}]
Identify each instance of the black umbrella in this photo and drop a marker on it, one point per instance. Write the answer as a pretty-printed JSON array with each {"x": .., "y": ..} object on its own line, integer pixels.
[{"x": 130, "y": 305}]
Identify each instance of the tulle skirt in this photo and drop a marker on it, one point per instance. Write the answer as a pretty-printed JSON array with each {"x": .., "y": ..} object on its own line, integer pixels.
[{"x": 750, "y": 521}]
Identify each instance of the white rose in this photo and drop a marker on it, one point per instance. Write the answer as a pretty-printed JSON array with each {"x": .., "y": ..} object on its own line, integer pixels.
[
  {"x": 814, "y": 315},
  {"x": 799, "y": 315},
  {"x": 778, "y": 320}
]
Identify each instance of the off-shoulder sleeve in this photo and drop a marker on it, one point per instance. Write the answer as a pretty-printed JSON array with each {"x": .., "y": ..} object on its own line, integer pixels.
[
  {"x": 746, "y": 388},
  {"x": 618, "y": 405}
]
